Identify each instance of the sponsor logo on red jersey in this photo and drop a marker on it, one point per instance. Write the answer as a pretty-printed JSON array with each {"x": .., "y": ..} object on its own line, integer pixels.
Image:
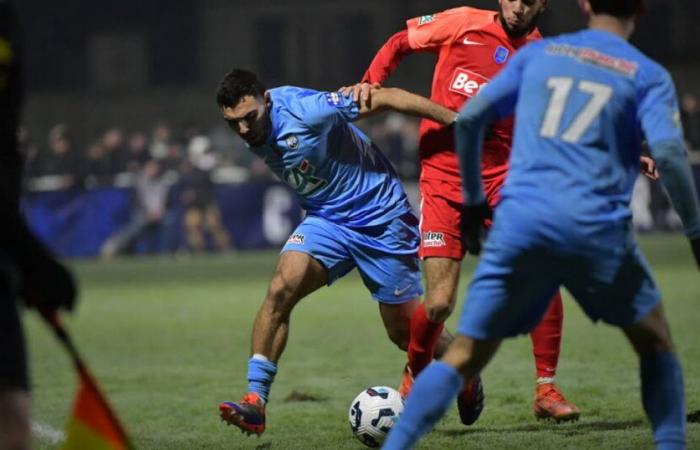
[
  {"x": 467, "y": 83},
  {"x": 433, "y": 239}
]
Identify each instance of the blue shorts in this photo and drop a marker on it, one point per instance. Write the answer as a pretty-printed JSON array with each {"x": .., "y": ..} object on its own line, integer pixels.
[
  {"x": 385, "y": 255},
  {"x": 525, "y": 262}
]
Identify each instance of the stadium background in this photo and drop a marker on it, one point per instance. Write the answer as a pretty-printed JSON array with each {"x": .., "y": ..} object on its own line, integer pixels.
[{"x": 114, "y": 84}]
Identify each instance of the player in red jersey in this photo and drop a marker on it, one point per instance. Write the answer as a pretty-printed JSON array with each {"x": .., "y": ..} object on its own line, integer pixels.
[{"x": 471, "y": 45}]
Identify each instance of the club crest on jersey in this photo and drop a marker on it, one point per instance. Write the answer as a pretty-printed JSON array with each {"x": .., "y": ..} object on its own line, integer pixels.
[
  {"x": 303, "y": 180},
  {"x": 467, "y": 83},
  {"x": 433, "y": 239},
  {"x": 292, "y": 142},
  {"x": 422, "y": 20},
  {"x": 333, "y": 98},
  {"x": 296, "y": 238},
  {"x": 501, "y": 54}
]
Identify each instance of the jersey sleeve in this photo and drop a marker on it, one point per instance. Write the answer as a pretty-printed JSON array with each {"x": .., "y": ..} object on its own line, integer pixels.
[
  {"x": 658, "y": 112},
  {"x": 321, "y": 108},
  {"x": 388, "y": 58},
  {"x": 432, "y": 31}
]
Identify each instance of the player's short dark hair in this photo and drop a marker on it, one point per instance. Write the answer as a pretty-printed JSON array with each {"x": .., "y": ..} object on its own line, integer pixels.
[
  {"x": 623, "y": 9},
  {"x": 237, "y": 84}
]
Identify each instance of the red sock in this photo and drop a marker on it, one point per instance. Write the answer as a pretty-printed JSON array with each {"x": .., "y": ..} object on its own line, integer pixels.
[
  {"x": 546, "y": 338},
  {"x": 424, "y": 336}
]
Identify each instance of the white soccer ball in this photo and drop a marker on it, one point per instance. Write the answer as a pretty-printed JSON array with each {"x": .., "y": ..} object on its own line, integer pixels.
[{"x": 373, "y": 413}]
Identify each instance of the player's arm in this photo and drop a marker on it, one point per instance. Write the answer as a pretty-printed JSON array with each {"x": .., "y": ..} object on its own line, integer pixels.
[
  {"x": 382, "y": 99},
  {"x": 388, "y": 58},
  {"x": 659, "y": 116},
  {"x": 422, "y": 34}
]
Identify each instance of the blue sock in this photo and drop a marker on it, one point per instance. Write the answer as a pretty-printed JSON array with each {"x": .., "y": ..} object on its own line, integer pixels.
[
  {"x": 261, "y": 374},
  {"x": 664, "y": 399},
  {"x": 435, "y": 388}
]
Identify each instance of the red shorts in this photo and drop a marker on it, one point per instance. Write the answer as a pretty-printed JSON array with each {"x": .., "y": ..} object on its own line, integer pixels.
[{"x": 440, "y": 215}]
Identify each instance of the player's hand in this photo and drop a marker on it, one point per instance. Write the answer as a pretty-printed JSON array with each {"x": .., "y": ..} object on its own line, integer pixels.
[
  {"x": 472, "y": 226},
  {"x": 361, "y": 92},
  {"x": 48, "y": 284},
  {"x": 695, "y": 246},
  {"x": 648, "y": 168}
]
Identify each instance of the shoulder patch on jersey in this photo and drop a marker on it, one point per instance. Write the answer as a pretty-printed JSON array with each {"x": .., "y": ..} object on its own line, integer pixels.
[
  {"x": 333, "y": 98},
  {"x": 422, "y": 20},
  {"x": 292, "y": 142},
  {"x": 501, "y": 54}
]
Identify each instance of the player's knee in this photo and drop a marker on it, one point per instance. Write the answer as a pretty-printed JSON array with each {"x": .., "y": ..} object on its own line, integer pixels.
[
  {"x": 280, "y": 297},
  {"x": 652, "y": 335},
  {"x": 400, "y": 337}
]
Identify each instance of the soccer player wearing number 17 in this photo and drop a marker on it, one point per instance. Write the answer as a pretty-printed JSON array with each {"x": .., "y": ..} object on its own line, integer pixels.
[
  {"x": 358, "y": 215},
  {"x": 583, "y": 103}
]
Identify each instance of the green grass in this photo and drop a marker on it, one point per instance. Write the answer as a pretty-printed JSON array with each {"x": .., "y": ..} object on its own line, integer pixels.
[{"x": 168, "y": 340}]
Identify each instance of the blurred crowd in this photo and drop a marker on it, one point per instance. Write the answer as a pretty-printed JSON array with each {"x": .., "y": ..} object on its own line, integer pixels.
[
  {"x": 113, "y": 158},
  {"x": 176, "y": 170}
]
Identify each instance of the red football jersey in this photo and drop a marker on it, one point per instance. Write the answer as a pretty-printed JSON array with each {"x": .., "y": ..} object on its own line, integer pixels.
[{"x": 472, "y": 47}]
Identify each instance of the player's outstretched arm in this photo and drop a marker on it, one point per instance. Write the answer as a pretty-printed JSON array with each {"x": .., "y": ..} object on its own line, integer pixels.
[
  {"x": 677, "y": 178},
  {"x": 382, "y": 99}
]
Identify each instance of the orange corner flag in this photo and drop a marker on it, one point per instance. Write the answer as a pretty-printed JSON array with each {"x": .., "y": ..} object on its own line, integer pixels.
[{"x": 93, "y": 424}]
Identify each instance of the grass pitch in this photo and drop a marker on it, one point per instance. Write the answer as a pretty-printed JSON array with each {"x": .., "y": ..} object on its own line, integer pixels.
[{"x": 168, "y": 340}]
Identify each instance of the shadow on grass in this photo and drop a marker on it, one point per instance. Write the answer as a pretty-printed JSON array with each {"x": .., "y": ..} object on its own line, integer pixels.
[{"x": 571, "y": 429}]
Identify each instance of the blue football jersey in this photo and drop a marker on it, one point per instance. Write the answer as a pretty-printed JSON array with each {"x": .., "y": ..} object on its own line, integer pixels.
[
  {"x": 338, "y": 173},
  {"x": 584, "y": 103}
]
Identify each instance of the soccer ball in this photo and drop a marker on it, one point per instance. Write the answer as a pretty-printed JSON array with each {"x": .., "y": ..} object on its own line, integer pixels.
[{"x": 373, "y": 413}]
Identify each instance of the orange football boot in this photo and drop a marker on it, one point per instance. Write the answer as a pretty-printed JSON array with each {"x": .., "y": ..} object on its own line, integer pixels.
[{"x": 551, "y": 404}]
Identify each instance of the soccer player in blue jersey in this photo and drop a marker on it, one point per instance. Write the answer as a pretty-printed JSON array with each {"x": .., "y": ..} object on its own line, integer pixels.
[
  {"x": 583, "y": 104},
  {"x": 358, "y": 215}
]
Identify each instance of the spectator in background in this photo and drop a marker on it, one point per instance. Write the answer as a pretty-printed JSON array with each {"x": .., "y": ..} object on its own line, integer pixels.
[
  {"x": 114, "y": 149},
  {"x": 136, "y": 152},
  {"x": 61, "y": 162},
  {"x": 160, "y": 139},
  {"x": 150, "y": 207},
  {"x": 690, "y": 116},
  {"x": 202, "y": 214},
  {"x": 96, "y": 168}
]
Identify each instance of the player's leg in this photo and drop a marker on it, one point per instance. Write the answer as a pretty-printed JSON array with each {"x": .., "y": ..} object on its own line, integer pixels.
[
  {"x": 437, "y": 387},
  {"x": 15, "y": 432},
  {"x": 397, "y": 320},
  {"x": 312, "y": 258},
  {"x": 296, "y": 276},
  {"x": 494, "y": 309},
  {"x": 427, "y": 323},
  {"x": 662, "y": 379},
  {"x": 441, "y": 251},
  {"x": 619, "y": 289},
  {"x": 549, "y": 402}
]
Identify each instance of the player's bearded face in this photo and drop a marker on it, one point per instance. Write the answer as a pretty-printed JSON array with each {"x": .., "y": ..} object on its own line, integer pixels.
[
  {"x": 519, "y": 17},
  {"x": 250, "y": 119}
]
